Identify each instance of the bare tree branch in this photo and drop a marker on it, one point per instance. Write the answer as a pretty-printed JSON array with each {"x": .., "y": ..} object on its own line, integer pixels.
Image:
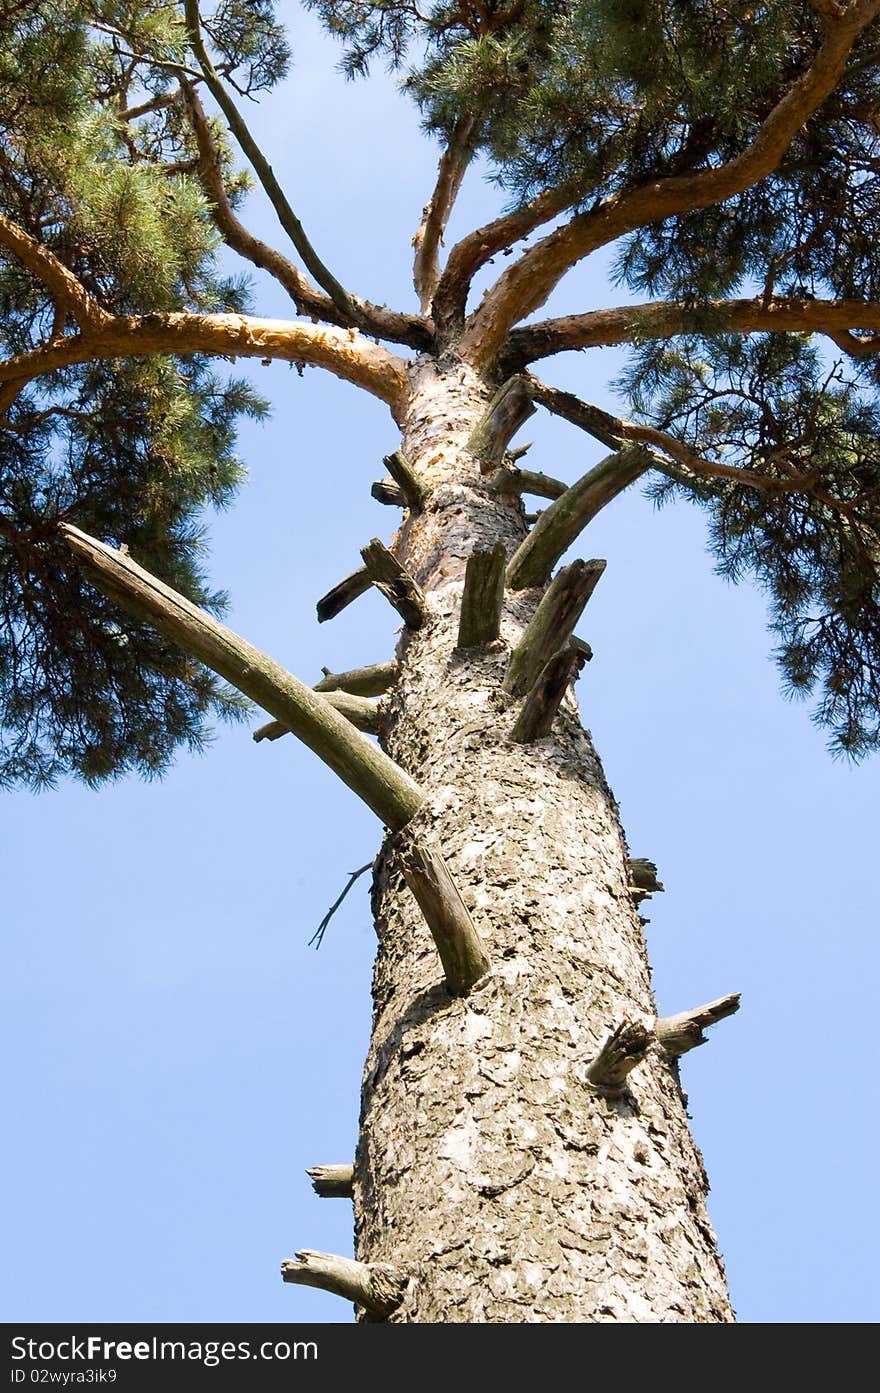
[
  {"x": 689, "y": 465},
  {"x": 429, "y": 234},
  {"x": 62, "y": 284},
  {"x": 385, "y": 323},
  {"x": 274, "y": 192},
  {"x": 367, "y": 770},
  {"x": 778, "y": 314},
  {"x": 344, "y": 352},
  {"x": 527, "y": 284}
]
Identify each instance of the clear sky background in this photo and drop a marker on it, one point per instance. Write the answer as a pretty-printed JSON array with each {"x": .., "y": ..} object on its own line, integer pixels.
[{"x": 176, "y": 1055}]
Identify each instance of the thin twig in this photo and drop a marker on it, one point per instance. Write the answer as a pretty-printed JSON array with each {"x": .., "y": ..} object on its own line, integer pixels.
[{"x": 318, "y": 936}]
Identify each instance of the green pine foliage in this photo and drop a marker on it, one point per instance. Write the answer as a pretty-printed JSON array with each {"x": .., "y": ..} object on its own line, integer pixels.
[
  {"x": 603, "y": 96},
  {"x": 131, "y": 452},
  {"x": 596, "y": 97}
]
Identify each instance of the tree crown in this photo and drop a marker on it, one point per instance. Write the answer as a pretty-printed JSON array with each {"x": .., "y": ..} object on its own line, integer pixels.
[{"x": 727, "y": 153}]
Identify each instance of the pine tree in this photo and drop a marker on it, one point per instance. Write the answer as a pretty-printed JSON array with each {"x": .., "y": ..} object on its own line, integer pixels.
[{"x": 524, "y": 1150}]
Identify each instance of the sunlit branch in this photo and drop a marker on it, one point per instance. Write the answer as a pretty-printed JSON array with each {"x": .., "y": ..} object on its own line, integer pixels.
[
  {"x": 778, "y": 314},
  {"x": 343, "y": 352},
  {"x": 525, "y": 286}
]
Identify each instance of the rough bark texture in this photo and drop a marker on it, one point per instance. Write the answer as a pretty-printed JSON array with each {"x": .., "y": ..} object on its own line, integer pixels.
[{"x": 488, "y": 1168}]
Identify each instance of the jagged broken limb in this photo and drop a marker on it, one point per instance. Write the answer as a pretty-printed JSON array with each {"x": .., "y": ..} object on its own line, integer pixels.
[
  {"x": 482, "y": 597},
  {"x": 643, "y": 881},
  {"x": 386, "y": 491},
  {"x": 552, "y": 624},
  {"x": 411, "y": 486},
  {"x": 623, "y": 1049},
  {"x": 378, "y": 1287},
  {"x": 683, "y": 1032},
  {"x": 337, "y": 599},
  {"x": 539, "y": 709},
  {"x": 395, "y": 583},
  {"x": 560, "y": 524},
  {"x": 629, "y": 1042},
  {"x": 332, "y": 1182},
  {"x": 510, "y": 407}
]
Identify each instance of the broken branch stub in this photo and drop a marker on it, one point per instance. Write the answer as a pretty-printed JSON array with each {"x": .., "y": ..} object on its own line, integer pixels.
[
  {"x": 332, "y": 1182},
  {"x": 378, "y": 1287},
  {"x": 411, "y": 487},
  {"x": 482, "y": 597},
  {"x": 559, "y": 525},
  {"x": 336, "y": 600},
  {"x": 683, "y": 1032},
  {"x": 386, "y": 491},
  {"x": 624, "y": 1048},
  {"x": 510, "y": 407},
  {"x": 370, "y": 681},
  {"x": 445, "y": 912},
  {"x": 513, "y": 480},
  {"x": 552, "y": 624},
  {"x": 539, "y": 709},
  {"x": 395, "y": 583}
]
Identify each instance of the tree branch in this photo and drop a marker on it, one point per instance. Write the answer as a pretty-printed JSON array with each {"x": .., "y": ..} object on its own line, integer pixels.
[
  {"x": 395, "y": 583},
  {"x": 363, "y": 714},
  {"x": 482, "y": 597},
  {"x": 286, "y": 216},
  {"x": 369, "y": 681},
  {"x": 332, "y": 1182},
  {"x": 377, "y": 1287},
  {"x": 367, "y": 770},
  {"x": 539, "y": 709},
  {"x": 678, "y": 1034},
  {"x": 385, "y": 323},
  {"x": 452, "y": 929},
  {"x": 474, "y": 250},
  {"x": 558, "y": 526},
  {"x": 689, "y": 464},
  {"x": 625, "y": 1047},
  {"x": 526, "y": 285},
  {"x": 510, "y": 408},
  {"x": 429, "y": 234},
  {"x": 413, "y": 490},
  {"x": 552, "y": 624},
  {"x": 777, "y": 314},
  {"x": 343, "y": 352},
  {"x": 62, "y": 284}
]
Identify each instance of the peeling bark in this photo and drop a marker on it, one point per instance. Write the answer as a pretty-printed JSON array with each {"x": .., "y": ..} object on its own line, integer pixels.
[{"x": 489, "y": 1166}]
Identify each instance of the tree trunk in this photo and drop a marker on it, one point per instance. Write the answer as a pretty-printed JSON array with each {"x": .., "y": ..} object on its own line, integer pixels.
[{"x": 489, "y": 1167}]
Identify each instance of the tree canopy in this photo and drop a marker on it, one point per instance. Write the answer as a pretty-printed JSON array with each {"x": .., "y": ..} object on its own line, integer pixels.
[{"x": 727, "y": 152}]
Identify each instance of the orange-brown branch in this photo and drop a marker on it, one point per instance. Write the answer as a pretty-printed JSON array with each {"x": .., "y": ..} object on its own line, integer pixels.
[
  {"x": 474, "y": 250},
  {"x": 61, "y": 283},
  {"x": 344, "y": 352},
  {"x": 526, "y": 285},
  {"x": 398, "y": 328},
  {"x": 778, "y": 314},
  {"x": 429, "y": 235}
]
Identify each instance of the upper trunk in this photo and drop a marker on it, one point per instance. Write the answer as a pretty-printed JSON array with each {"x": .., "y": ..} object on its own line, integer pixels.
[{"x": 489, "y": 1168}]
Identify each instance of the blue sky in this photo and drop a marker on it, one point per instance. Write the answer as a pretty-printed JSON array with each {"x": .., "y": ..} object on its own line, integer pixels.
[{"x": 177, "y": 1055}]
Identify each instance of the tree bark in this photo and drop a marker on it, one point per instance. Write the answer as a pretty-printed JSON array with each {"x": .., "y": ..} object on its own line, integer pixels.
[{"x": 489, "y": 1168}]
